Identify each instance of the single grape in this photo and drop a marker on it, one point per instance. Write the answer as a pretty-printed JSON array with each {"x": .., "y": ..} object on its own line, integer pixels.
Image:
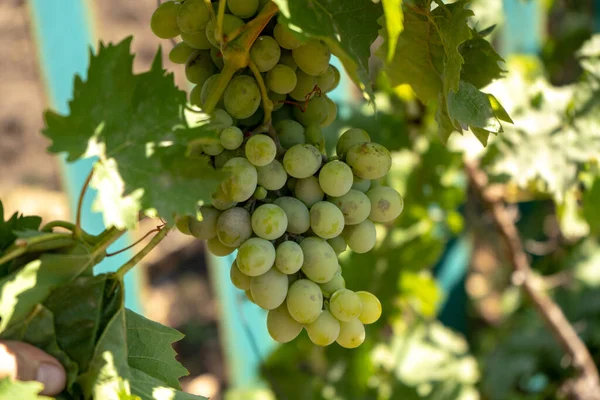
[
  {"x": 192, "y": 16},
  {"x": 220, "y": 119},
  {"x": 314, "y": 136},
  {"x": 260, "y": 193},
  {"x": 199, "y": 67},
  {"x": 386, "y": 204},
  {"x": 217, "y": 248},
  {"x": 289, "y": 257},
  {"x": 220, "y": 200},
  {"x": 369, "y": 160},
  {"x": 331, "y": 113},
  {"x": 314, "y": 113},
  {"x": 212, "y": 149},
  {"x": 207, "y": 227},
  {"x": 324, "y": 330},
  {"x": 345, "y": 305},
  {"x": 231, "y": 23},
  {"x": 326, "y": 220},
  {"x": 302, "y": 160},
  {"x": 337, "y": 77},
  {"x": 196, "y": 95},
  {"x": 281, "y": 79},
  {"x": 304, "y": 301},
  {"x": 243, "y": 8},
  {"x": 290, "y": 133},
  {"x": 252, "y": 120},
  {"x": 361, "y": 237},
  {"x": 234, "y": 227},
  {"x": 333, "y": 285},
  {"x": 238, "y": 279},
  {"x": 312, "y": 57},
  {"x": 242, "y": 96},
  {"x": 352, "y": 334},
  {"x": 180, "y": 53},
  {"x": 338, "y": 244},
  {"x": 285, "y": 112},
  {"x": 208, "y": 87},
  {"x": 320, "y": 261},
  {"x": 272, "y": 176},
  {"x": 304, "y": 86},
  {"x": 309, "y": 191},
  {"x": 197, "y": 40},
  {"x": 183, "y": 224},
  {"x": 350, "y": 138},
  {"x": 297, "y": 214},
  {"x": 217, "y": 57},
  {"x": 241, "y": 183},
  {"x": 164, "y": 20},
  {"x": 355, "y": 206},
  {"x": 285, "y": 38},
  {"x": 326, "y": 80},
  {"x": 335, "y": 178},
  {"x": 265, "y": 53},
  {"x": 255, "y": 256},
  {"x": 269, "y": 289},
  {"x": 260, "y": 150},
  {"x": 248, "y": 294},
  {"x": 281, "y": 326},
  {"x": 288, "y": 59},
  {"x": 231, "y": 137},
  {"x": 277, "y": 99},
  {"x": 269, "y": 221},
  {"x": 360, "y": 184},
  {"x": 371, "y": 307}
]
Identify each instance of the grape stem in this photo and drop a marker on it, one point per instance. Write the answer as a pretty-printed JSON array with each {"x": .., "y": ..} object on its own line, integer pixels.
[
  {"x": 267, "y": 103},
  {"x": 157, "y": 229},
  {"x": 211, "y": 11},
  {"x": 78, "y": 231},
  {"x": 162, "y": 233},
  {"x": 220, "y": 17}
]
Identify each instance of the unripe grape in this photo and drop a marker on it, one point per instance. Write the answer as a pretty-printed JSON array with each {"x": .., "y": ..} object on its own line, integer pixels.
[
  {"x": 277, "y": 99},
  {"x": 208, "y": 87},
  {"x": 326, "y": 80},
  {"x": 183, "y": 225},
  {"x": 269, "y": 289},
  {"x": 233, "y": 227},
  {"x": 325, "y": 330},
  {"x": 361, "y": 237},
  {"x": 196, "y": 95},
  {"x": 289, "y": 257},
  {"x": 197, "y": 41},
  {"x": 241, "y": 183},
  {"x": 242, "y": 96},
  {"x": 335, "y": 178},
  {"x": 320, "y": 261},
  {"x": 314, "y": 136},
  {"x": 225, "y": 156},
  {"x": 207, "y": 227},
  {"x": 350, "y": 138},
  {"x": 371, "y": 307},
  {"x": 199, "y": 67},
  {"x": 331, "y": 113},
  {"x": 333, "y": 285},
  {"x": 164, "y": 20},
  {"x": 220, "y": 200},
  {"x": 360, "y": 184},
  {"x": 248, "y": 294},
  {"x": 288, "y": 59},
  {"x": 338, "y": 244},
  {"x": 304, "y": 86},
  {"x": 212, "y": 149},
  {"x": 336, "y": 79},
  {"x": 290, "y": 133},
  {"x": 231, "y": 137},
  {"x": 265, "y": 53},
  {"x": 217, "y": 57},
  {"x": 386, "y": 204},
  {"x": 255, "y": 256},
  {"x": 281, "y": 79},
  {"x": 238, "y": 279},
  {"x": 314, "y": 113},
  {"x": 243, "y": 8},
  {"x": 269, "y": 221},
  {"x": 345, "y": 305},
  {"x": 352, "y": 334},
  {"x": 260, "y": 193},
  {"x": 326, "y": 220},
  {"x": 272, "y": 176},
  {"x": 304, "y": 301},
  {"x": 181, "y": 52},
  {"x": 192, "y": 16},
  {"x": 369, "y": 160},
  {"x": 231, "y": 23},
  {"x": 309, "y": 191},
  {"x": 297, "y": 214},
  {"x": 355, "y": 206},
  {"x": 285, "y": 38},
  {"x": 281, "y": 326},
  {"x": 312, "y": 57},
  {"x": 260, "y": 150},
  {"x": 220, "y": 119},
  {"x": 217, "y": 248},
  {"x": 302, "y": 160}
]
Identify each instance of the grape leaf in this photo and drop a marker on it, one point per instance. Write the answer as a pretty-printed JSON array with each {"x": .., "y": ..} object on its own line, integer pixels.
[
  {"x": 151, "y": 388},
  {"x": 135, "y": 125},
  {"x": 591, "y": 200},
  {"x": 17, "y": 222},
  {"x": 392, "y": 10},
  {"x": 481, "y": 62},
  {"x": 10, "y": 389},
  {"x": 349, "y": 27}
]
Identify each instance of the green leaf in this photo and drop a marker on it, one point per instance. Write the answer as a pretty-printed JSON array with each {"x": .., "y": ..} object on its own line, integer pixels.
[
  {"x": 392, "y": 10},
  {"x": 150, "y": 388},
  {"x": 10, "y": 389},
  {"x": 150, "y": 349},
  {"x": 481, "y": 62},
  {"x": 349, "y": 27},
  {"x": 589, "y": 55},
  {"x": 471, "y": 107},
  {"x": 591, "y": 210},
  {"x": 17, "y": 222}
]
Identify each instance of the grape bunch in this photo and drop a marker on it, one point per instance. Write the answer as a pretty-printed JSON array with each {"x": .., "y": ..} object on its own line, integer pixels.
[{"x": 287, "y": 208}]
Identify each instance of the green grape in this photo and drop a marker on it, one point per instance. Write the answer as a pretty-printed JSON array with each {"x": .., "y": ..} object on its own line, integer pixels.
[
  {"x": 272, "y": 176},
  {"x": 314, "y": 136},
  {"x": 345, "y": 305},
  {"x": 180, "y": 53},
  {"x": 243, "y": 8},
  {"x": 338, "y": 244},
  {"x": 369, "y": 160},
  {"x": 269, "y": 221},
  {"x": 312, "y": 57},
  {"x": 260, "y": 193},
  {"x": 285, "y": 112},
  {"x": 220, "y": 119},
  {"x": 336, "y": 77},
  {"x": 314, "y": 113},
  {"x": 269, "y": 289},
  {"x": 352, "y": 334},
  {"x": 331, "y": 113},
  {"x": 217, "y": 57},
  {"x": 207, "y": 227},
  {"x": 335, "y": 178},
  {"x": 302, "y": 160},
  {"x": 208, "y": 87},
  {"x": 248, "y": 294},
  {"x": 304, "y": 86},
  {"x": 309, "y": 191},
  {"x": 231, "y": 137},
  {"x": 265, "y": 53},
  {"x": 360, "y": 184},
  {"x": 291, "y": 183},
  {"x": 225, "y": 156},
  {"x": 238, "y": 279},
  {"x": 285, "y": 38},
  {"x": 164, "y": 20},
  {"x": 324, "y": 330},
  {"x": 350, "y": 138},
  {"x": 290, "y": 133},
  {"x": 288, "y": 59},
  {"x": 199, "y": 67},
  {"x": 297, "y": 214},
  {"x": 386, "y": 204},
  {"x": 255, "y": 256},
  {"x": 240, "y": 185},
  {"x": 289, "y": 257},
  {"x": 326, "y": 80},
  {"x": 371, "y": 307},
  {"x": 183, "y": 224},
  {"x": 192, "y": 16},
  {"x": 231, "y": 23},
  {"x": 254, "y": 119},
  {"x": 304, "y": 301},
  {"x": 336, "y": 283},
  {"x": 320, "y": 261},
  {"x": 281, "y": 326},
  {"x": 195, "y": 95},
  {"x": 234, "y": 227},
  {"x": 212, "y": 149},
  {"x": 217, "y": 248},
  {"x": 220, "y": 200},
  {"x": 361, "y": 237},
  {"x": 326, "y": 220},
  {"x": 242, "y": 97},
  {"x": 277, "y": 99},
  {"x": 281, "y": 79},
  {"x": 355, "y": 206},
  {"x": 260, "y": 150},
  {"x": 197, "y": 41}
]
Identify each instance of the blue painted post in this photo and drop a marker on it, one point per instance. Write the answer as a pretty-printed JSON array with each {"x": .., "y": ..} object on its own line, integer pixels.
[{"x": 63, "y": 37}]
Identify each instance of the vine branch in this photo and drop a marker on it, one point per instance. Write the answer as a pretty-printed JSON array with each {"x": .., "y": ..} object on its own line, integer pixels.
[
  {"x": 142, "y": 253},
  {"x": 78, "y": 231},
  {"x": 588, "y": 385}
]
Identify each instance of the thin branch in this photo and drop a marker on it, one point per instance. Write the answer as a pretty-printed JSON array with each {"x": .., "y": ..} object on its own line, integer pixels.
[
  {"x": 142, "y": 253},
  {"x": 157, "y": 229},
  {"x": 553, "y": 316},
  {"x": 78, "y": 231},
  {"x": 220, "y": 18},
  {"x": 267, "y": 103}
]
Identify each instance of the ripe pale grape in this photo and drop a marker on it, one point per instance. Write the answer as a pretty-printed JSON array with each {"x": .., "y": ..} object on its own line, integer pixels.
[
  {"x": 371, "y": 307},
  {"x": 248, "y": 294},
  {"x": 302, "y": 160},
  {"x": 192, "y": 16},
  {"x": 238, "y": 279},
  {"x": 290, "y": 133},
  {"x": 285, "y": 38},
  {"x": 231, "y": 137},
  {"x": 197, "y": 40},
  {"x": 180, "y": 53},
  {"x": 281, "y": 326},
  {"x": 199, "y": 67},
  {"x": 337, "y": 77},
  {"x": 324, "y": 330},
  {"x": 333, "y": 285},
  {"x": 243, "y": 8},
  {"x": 289, "y": 257},
  {"x": 260, "y": 150},
  {"x": 360, "y": 184},
  {"x": 233, "y": 227},
  {"x": 217, "y": 248},
  {"x": 212, "y": 149},
  {"x": 369, "y": 160},
  {"x": 320, "y": 261},
  {"x": 269, "y": 221},
  {"x": 350, "y": 138},
  {"x": 297, "y": 214},
  {"x": 326, "y": 80},
  {"x": 241, "y": 183},
  {"x": 338, "y": 244},
  {"x": 312, "y": 57},
  {"x": 272, "y": 176},
  {"x": 386, "y": 204},
  {"x": 355, "y": 206},
  {"x": 304, "y": 301},
  {"x": 309, "y": 191},
  {"x": 304, "y": 85},
  {"x": 326, "y": 220},
  {"x": 255, "y": 256},
  {"x": 164, "y": 20},
  {"x": 360, "y": 237},
  {"x": 269, "y": 289},
  {"x": 281, "y": 79},
  {"x": 345, "y": 305},
  {"x": 231, "y": 23},
  {"x": 242, "y": 96},
  {"x": 335, "y": 178},
  {"x": 220, "y": 200},
  {"x": 265, "y": 53},
  {"x": 314, "y": 113},
  {"x": 352, "y": 334},
  {"x": 207, "y": 227}
]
